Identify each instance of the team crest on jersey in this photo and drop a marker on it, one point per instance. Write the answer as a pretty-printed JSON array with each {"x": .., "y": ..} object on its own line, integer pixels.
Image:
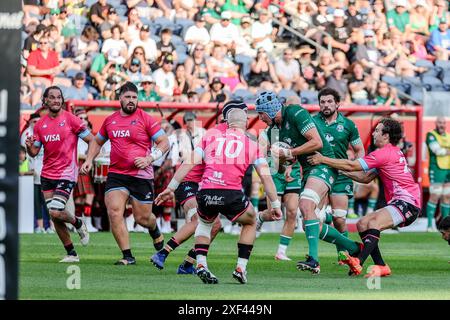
[
  {"x": 288, "y": 140},
  {"x": 134, "y": 122},
  {"x": 340, "y": 128},
  {"x": 114, "y": 122},
  {"x": 44, "y": 126},
  {"x": 62, "y": 123},
  {"x": 347, "y": 188},
  {"x": 329, "y": 137}
]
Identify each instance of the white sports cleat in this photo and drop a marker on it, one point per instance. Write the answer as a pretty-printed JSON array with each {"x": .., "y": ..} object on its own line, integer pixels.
[
  {"x": 90, "y": 227},
  {"x": 84, "y": 234},
  {"x": 70, "y": 259},
  {"x": 282, "y": 256}
]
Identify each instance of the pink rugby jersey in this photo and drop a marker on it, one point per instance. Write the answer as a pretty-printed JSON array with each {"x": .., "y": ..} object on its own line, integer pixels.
[
  {"x": 227, "y": 155},
  {"x": 393, "y": 171},
  {"x": 195, "y": 175},
  {"x": 131, "y": 136},
  {"x": 59, "y": 136}
]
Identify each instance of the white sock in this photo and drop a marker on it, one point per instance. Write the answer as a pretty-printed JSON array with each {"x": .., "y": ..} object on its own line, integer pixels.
[
  {"x": 242, "y": 263},
  {"x": 282, "y": 249},
  {"x": 201, "y": 260}
]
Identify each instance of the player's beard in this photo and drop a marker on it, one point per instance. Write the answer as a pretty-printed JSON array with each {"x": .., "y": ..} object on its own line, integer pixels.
[
  {"x": 55, "y": 108},
  {"x": 130, "y": 108},
  {"x": 327, "y": 113}
]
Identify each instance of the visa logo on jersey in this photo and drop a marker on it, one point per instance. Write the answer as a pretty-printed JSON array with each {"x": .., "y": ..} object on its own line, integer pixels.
[
  {"x": 52, "y": 137},
  {"x": 121, "y": 133}
]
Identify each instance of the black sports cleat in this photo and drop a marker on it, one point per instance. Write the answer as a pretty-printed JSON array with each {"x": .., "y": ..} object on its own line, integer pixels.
[
  {"x": 309, "y": 265},
  {"x": 240, "y": 275},
  {"x": 206, "y": 275},
  {"x": 126, "y": 261}
]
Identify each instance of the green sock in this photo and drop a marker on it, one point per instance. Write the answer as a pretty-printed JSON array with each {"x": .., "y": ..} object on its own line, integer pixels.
[
  {"x": 255, "y": 202},
  {"x": 372, "y": 203},
  {"x": 431, "y": 209},
  {"x": 331, "y": 235},
  {"x": 285, "y": 240},
  {"x": 312, "y": 228},
  {"x": 445, "y": 209},
  {"x": 338, "y": 246}
]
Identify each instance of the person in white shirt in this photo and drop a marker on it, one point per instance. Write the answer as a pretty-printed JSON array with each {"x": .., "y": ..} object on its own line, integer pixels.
[
  {"x": 189, "y": 138},
  {"x": 224, "y": 32},
  {"x": 288, "y": 72},
  {"x": 115, "y": 42},
  {"x": 197, "y": 34},
  {"x": 165, "y": 78},
  {"x": 262, "y": 32},
  {"x": 146, "y": 42}
]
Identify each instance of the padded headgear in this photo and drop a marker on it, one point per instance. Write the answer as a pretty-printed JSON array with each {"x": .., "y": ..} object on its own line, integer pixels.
[{"x": 269, "y": 103}]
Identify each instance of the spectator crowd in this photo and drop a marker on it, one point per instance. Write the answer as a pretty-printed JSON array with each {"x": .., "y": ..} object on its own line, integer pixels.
[{"x": 371, "y": 52}]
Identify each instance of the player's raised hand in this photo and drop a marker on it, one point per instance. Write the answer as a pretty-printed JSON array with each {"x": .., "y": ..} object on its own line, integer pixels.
[
  {"x": 167, "y": 194},
  {"x": 315, "y": 159},
  {"x": 142, "y": 162},
  {"x": 86, "y": 167}
]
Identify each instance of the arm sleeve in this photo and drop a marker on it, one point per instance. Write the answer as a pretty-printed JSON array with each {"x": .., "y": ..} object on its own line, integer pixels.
[
  {"x": 153, "y": 128},
  {"x": 355, "y": 139},
  {"x": 102, "y": 133},
  {"x": 373, "y": 160}
]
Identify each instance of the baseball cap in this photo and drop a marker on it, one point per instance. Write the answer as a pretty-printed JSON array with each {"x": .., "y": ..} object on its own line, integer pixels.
[
  {"x": 226, "y": 15},
  {"x": 369, "y": 33},
  {"x": 147, "y": 78},
  {"x": 216, "y": 80},
  {"x": 199, "y": 17},
  {"x": 112, "y": 10},
  {"x": 145, "y": 27},
  {"x": 246, "y": 19},
  {"x": 339, "y": 13},
  {"x": 401, "y": 3},
  {"x": 189, "y": 116}
]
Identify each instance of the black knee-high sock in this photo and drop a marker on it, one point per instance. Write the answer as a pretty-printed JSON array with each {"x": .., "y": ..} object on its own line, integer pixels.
[
  {"x": 155, "y": 234},
  {"x": 376, "y": 253},
  {"x": 189, "y": 260},
  {"x": 70, "y": 249},
  {"x": 370, "y": 241}
]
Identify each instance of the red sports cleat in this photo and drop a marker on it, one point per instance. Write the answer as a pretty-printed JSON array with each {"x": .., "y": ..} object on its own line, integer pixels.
[
  {"x": 378, "y": 271},
  {"x": 352, "y": 262}
]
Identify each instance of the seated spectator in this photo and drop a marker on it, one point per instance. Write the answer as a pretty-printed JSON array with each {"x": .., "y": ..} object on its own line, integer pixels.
[
  {"x": 224, "y": 33},
  {"x": 98, "y": 13},
  {"x": 262, "y": 32},
  {"x": 78, "y": 91},
  {"x": 193, "y": 97},
  {"x": 216, "y": 92},
  {"x": 360, "y": 86},
  {"x": 197, "y": 34},
  {"x": 419, "y": 50},
  {"x": 302, "y": 12},
  {"x": 368, "y": 55},
  {"x": 185, "y": 9},
  {"x": 439, "y": 13},
  {"x": 211, "y": 13},
  {"x": 56, "y": 41},
  {"x": 288, "y": 72},
  {"x": 138, "y": 53},
  {"x": 326, "y": 64},
  {"x": 262, "y": 74},
  {"x": 43, "y": 66},
  {"x": 340, "y": 33},
  {"x": 84, "y": 47},
  {"x": 439, "y": 42},
  {"x": 354, "y": 19},
  {"x": 148, "y": 92},
  {"x": 419, "y": 18},
  {"x": 237, "y": 8},
  {"x": 96, "y": 71},
  {"x": 379, "y": 17},
  {"x": 220, "y": 66},
  {"x": 147, "y": 43},
  {"x": 398, "y": 18},
  {"x": 322, "y": 18},
  {"x": 337, "y": 82},
  {"x": 112, "y": 19},
  {"x": 134, "y": 71},
  {"x": 180, "y": 80},
  {"x": 115, "y": 42},
  {"x": 165, "y": 79},
  {"x": 196, "y": 68},
  {"x": 386, "y": 95},
  {"x": 108, "y": 92},
  {"x": 32, "y": 42},
  {"x": 132, "y": 26},
  {"x": 165, "y": 46}
]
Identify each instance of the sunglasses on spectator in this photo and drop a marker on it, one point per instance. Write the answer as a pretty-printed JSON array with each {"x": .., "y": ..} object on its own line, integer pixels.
[
  {"x": 199, "y": 49},
  {"x": 135, "y": 65},
  {"x": 139, "y": 53},
  {"x": 43, "y": 42},
  {"x": 146, "y": 82},
  {"x": 83, "y": 118}
]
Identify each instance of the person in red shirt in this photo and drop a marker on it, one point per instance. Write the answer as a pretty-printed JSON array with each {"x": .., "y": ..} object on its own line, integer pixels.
[
  {"x": 43, "y": 63},
  {"x": 58, "y": 133},
  {"x": 132, "y": 133}
]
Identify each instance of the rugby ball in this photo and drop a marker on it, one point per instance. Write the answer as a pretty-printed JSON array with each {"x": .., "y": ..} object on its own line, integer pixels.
[{"x": 276, "y": 146}]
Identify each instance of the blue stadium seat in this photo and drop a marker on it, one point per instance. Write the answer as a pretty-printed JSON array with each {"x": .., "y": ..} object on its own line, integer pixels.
[
  {"x": 412, "y": 80},
  {"x": 424, "y": 63},
  {"x": 244, "y": 95},
  {"x": 417, "y": 95},
  {"x": 177, "y": 40},
  {"x": 286, "y": 93},
  {"x": 444, "y": 64},
  {"x": 391, "y": 80},
  {"x": 245, "y": 62},
  {"x": 432, "y": 84},
  {"x": 182, "y": 56},
  {"x": 185, "y": 24}
]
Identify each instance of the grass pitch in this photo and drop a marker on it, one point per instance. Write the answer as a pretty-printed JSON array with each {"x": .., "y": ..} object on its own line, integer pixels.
[{"x": 419, "y": 262}]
